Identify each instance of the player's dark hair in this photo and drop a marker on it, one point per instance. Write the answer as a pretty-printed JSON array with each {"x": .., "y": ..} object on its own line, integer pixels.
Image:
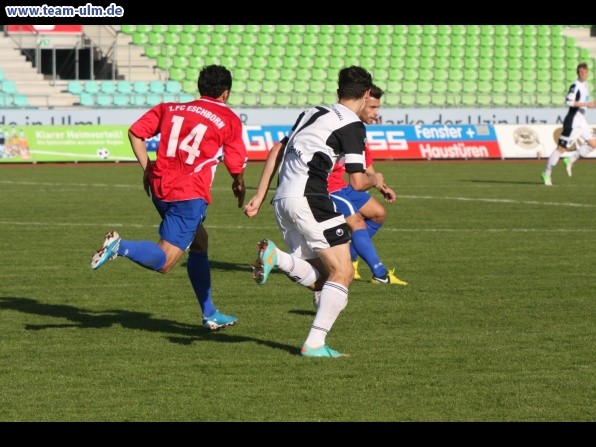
[
  {"x": 213, "y": 80},
  {"x": 376, "y": 92},
  {"x": 353, "y": 82}
]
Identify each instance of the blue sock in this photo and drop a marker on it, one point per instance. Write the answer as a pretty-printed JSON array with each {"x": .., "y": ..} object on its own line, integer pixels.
[
  {"x": 353, "y": 253},
  {"x": 200, "y": 278},
  {"x": 372, "y": 227},
  {"x": 366, "y": 250},
  {"x": 145, "y": 253}
]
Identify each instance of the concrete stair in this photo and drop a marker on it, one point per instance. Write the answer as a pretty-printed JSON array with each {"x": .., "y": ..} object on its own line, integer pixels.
[
  {"x": 130, "y": 61},
  {"x": 40, "y": 92},
  {"x": 583, "y": 38}
]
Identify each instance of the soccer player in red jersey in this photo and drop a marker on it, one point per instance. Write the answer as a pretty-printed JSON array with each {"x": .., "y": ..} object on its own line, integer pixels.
[
  {"x": 363, "y": 213},
  {"x": 194, "y": 138}
]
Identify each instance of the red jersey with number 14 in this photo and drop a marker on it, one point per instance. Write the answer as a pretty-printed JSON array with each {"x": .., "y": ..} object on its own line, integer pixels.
[
  {"x": 195, "y": 137},
  {"x": 336, "y": 180}
]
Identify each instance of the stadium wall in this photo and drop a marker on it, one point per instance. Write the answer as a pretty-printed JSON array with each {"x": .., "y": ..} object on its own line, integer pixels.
[
  {"x": 269, "y": 117},
  {"x": 101, "y": 134}
]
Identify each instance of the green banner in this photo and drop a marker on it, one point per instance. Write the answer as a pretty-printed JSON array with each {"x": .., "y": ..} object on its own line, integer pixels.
[{"x": 81, "y": 143}]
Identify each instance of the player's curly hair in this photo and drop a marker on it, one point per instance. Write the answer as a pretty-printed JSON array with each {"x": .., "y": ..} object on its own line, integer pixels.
[{"x": 213, "y": 80}]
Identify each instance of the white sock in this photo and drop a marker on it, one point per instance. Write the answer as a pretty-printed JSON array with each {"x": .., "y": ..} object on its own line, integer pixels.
[
  {"x": 298, "y": 270},
  {"x": 573, "y": 156},
  {"x": 552, "y": 162},
  {"x": 334, "y": 298}
]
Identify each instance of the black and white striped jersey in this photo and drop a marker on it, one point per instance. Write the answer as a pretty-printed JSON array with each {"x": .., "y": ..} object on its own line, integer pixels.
[
  {"x": 579, "y": 91},
  {"x": 320, "y": 136}
]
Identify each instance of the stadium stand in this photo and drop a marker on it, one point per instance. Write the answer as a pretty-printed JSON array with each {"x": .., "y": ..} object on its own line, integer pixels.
[
  {"x": 485, "y": 65},
  {"x": 294, "y": 65}
]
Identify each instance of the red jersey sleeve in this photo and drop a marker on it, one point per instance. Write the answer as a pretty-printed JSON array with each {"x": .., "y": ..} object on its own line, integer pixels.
[
  {"x": 147, "y": 126},
  {"x": 235, "y": 153},
  {"x": 368, "y": 158}
]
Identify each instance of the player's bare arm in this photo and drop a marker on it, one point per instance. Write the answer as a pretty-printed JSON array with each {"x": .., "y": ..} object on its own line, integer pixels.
[
  {"x": 140, "y": 150},
  {"x": 388, "y": 194},
  {"x": 362, "y": 181},
  {"x": 269, "y": 169},
  {"x": 238, "y": 188}
]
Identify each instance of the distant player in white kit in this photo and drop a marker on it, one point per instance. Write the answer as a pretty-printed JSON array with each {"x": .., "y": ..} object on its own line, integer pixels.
[{"x": 576, "y": 129}]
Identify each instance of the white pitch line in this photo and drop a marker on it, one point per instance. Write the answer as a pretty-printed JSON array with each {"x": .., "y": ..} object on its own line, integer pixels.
[
  {"x": 401, "y": 196},
  {"x": 523, "y": 202},
  {"x": 55, "y": 184},
  {"x": 272, "y": 227}
]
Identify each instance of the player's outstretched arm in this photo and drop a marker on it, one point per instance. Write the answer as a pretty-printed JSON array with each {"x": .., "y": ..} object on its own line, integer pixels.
[{"x": 269, "y": 169}]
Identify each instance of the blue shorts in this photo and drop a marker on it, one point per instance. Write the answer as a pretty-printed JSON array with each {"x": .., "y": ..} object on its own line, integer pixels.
[
  {"x": 180, "y": 220},
  {"x": 348, "y": 201}
]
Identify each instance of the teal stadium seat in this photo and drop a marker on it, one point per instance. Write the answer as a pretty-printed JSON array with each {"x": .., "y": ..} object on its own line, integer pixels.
[
  {"x": 152, "y": 99},
  {"x": 87, "y": 99},
  {"x": 104, "y": 100},
  {"x": 137, "y": 100},
  {"x": 124, "y": 87},
  {"x": 92, "y": 87},
  {"x": 8, "y": 87},
  {"x": 20, "y": 100},
  {"x": 121, "y": 100},
  {"x": 173, "y": 87},
  {"x": 141, "y": 87},
  {"x": 157, "y": 87},
  {"x": 75, "y": 87},
  {"x": 185, "y": 97},
  {"x": 108, "y": 87}
]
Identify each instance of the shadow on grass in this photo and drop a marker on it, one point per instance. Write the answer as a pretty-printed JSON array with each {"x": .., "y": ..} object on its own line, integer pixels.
[
  {"x": 230, "y": 266},
  {"x": 303, "y": 312},
  {"x": 224, "y": 266},
  {"x": 180, "y": 333}
]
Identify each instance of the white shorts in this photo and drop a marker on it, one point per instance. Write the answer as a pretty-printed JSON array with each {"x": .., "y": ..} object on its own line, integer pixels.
[
  {"x": 581, "y": 130},
  {"x": 580, "y": 136},
  {"x": 309, "y": 224}
]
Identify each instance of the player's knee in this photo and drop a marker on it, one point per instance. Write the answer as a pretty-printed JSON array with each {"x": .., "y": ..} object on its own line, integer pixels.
[
  {"x": 344, "y": 276},
  {"x": 170, "y": 262},
  {"x": 165, "y": 269},
  {"x": 380, "y": 218},
  {"x": 347, "y": 275}
]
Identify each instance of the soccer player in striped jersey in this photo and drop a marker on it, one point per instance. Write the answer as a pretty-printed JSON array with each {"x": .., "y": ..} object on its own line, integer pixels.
[
  {"x": 316, "y": 235},
  {"x": 364, "y": 214},
  {"x": 576, "y": 130}
]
